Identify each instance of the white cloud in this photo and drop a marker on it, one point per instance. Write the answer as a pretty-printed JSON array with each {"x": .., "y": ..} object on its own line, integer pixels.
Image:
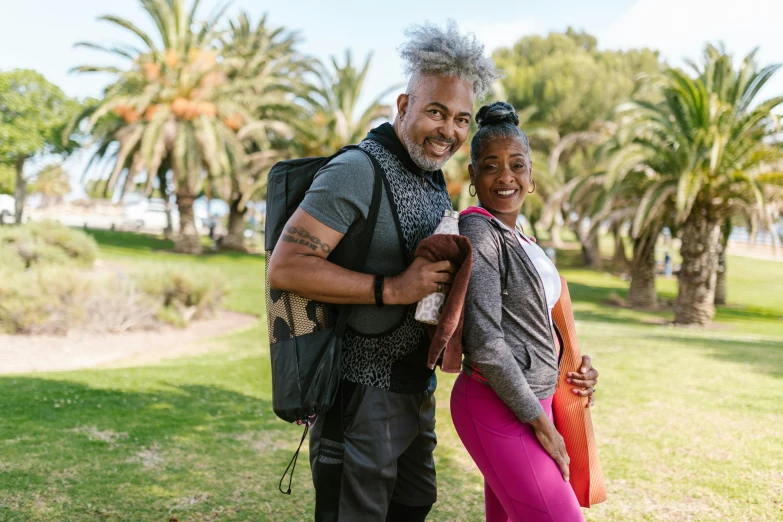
[{"x": 680, "y": 28}]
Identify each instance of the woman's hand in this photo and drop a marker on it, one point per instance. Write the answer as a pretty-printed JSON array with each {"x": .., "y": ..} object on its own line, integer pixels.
[
  {"x": 584, "y": 380},
  {"x": 552, "y": 442}
]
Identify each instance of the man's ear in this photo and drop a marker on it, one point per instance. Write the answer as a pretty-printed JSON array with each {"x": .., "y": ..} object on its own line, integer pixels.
[{"x": 403, "y": 101}]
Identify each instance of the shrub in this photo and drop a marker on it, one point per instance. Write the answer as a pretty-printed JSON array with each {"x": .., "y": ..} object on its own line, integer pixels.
[
  {"x": 79, "y": 246},
  {"x": 116, "y": 304},
  {"x": 9, "y": 261},
  {"x": 184, "y": 295},
  {"x": 43, "y": 301},
  {"x": 49, "y": 298},
  {"x": 49, "y": 243}
]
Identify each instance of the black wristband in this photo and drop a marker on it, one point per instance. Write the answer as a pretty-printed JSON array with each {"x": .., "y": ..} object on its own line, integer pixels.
[{"x": 379, "y": 290}]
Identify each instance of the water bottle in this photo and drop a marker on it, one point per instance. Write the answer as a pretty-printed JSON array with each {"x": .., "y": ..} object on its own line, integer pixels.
[{"x": 428, "y": 310}]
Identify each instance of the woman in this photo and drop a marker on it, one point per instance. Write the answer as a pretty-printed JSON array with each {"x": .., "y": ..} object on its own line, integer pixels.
[{"x": 501, "y": 403}]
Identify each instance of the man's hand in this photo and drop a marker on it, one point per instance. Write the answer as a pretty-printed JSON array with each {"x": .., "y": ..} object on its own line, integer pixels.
[
  {"x": 419, "y": 280},
  {"x": 584, "y": 380}
]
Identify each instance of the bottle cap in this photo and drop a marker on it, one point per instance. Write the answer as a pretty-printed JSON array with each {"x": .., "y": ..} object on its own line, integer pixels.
[{"x": 451, "y": 213}]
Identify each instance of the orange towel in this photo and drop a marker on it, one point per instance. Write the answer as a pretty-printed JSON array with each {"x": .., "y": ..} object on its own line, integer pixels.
[{"x": 572, "y": 416}]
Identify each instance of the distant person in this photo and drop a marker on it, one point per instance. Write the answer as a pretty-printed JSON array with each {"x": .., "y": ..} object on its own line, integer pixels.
[
  {"x": 667, "y": 264},
  {"x": 388, "y": 472},
  {"x": 501, "y": 403},
  {"x": 212, "y": 223}
]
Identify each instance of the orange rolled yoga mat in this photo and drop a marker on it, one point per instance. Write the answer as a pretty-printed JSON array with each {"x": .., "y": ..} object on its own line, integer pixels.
[{"x": 572, "y": 416}]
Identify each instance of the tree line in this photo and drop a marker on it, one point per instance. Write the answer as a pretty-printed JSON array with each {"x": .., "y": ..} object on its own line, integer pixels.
[{"x": 619, "y": 139}]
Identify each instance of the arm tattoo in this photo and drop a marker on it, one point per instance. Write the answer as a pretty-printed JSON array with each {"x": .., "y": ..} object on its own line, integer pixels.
[{"x": 301, "y": 236}]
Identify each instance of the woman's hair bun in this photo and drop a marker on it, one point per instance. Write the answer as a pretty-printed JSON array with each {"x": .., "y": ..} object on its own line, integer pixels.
[{"x": 498, "y": 113}]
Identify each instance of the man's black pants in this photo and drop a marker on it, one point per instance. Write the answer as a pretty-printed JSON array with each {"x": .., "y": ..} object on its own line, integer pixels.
[{"x": 383, "y": 469}]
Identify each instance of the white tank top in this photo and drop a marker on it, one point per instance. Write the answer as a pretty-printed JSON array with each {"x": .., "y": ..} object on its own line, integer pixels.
[{"x": 544, "y": 266}]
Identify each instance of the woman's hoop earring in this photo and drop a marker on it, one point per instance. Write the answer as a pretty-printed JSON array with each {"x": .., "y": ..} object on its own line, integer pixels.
[
  {"x": 534, "y": 188},
  {"x": 472, "y": 194}
]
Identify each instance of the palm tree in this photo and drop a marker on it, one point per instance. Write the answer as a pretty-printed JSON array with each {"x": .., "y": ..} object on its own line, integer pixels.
[
  {"x": 331, "y": 118},
  {"x": 175, "y": 104},
  {"x": 52, "y": 183},
  {"x": 633, "y": 199},
  {"x": 265, "y": 60},
  {"x": 706, "y": 144},
  {"x": 743, "y": 206},
  {"x": 643, "y": 201},
  {"x": 575, "y": 170}
]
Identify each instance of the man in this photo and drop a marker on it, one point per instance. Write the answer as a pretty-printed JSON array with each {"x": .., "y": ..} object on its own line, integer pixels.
[{"x": 388, "y": 404}]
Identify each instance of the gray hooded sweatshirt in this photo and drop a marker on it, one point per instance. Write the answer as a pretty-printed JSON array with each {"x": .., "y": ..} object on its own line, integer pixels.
[{"x": 507, "y": 332}]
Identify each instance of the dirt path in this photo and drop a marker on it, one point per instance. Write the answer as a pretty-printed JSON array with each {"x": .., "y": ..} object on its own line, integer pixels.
[{"x": 26, "y": 354}]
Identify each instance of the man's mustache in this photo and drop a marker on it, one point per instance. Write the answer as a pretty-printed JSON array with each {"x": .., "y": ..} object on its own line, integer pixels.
[{"x": 451, "y": 142}]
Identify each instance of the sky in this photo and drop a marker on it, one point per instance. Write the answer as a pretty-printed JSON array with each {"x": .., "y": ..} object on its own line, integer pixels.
[{"x": 40, "y": 34}]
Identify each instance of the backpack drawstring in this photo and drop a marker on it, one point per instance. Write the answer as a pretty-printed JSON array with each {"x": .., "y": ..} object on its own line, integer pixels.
[{"x": 292, "y": 464}]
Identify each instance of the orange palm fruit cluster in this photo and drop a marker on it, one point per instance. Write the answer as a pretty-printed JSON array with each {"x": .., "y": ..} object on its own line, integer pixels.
[
  {"x": 127, "y": 113},
  {"x": 151, "y": 71},
  {"x": 234, "y": 122},
  {"x": 192, "y": 109}
]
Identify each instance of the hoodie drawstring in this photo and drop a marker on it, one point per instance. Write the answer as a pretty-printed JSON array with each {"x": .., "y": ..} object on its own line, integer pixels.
[{"x": 506, "y": 259}]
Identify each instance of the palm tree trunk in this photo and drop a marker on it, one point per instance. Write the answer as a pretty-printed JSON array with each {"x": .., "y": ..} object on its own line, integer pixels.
[
  {"x": 235, "y": 238},
  {"x": 721, "y": 290},
  {"x": 557, "y": 240},
  {"x": 589, "y": 241},
  {"x": 187, "y": 241},
  {"x": 20, "y": 190},
  {"x": 596, "y": 261},
  {"x": 696, "y": 297},
  {"x": 168, "y": 232},
  {"x": 754, "y": 230},
  {"x": 619, "y": 259},
  {"x": 642, "y": 292}
]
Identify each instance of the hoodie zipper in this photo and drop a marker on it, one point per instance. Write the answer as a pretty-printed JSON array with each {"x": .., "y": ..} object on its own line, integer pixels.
[{"x": 550, "y": 324}]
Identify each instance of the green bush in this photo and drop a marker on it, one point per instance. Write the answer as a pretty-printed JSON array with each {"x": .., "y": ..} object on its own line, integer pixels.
[
  {"x": 42, "y": 301},
  {"x": 79, "y": 246},
  {"x": 184, "y": 295},
  {"x": 43, "y": 290},
  {"x": 49, "y": 243},
  {"x": 116, "y": 304},
  {"x": 10, "y": 260}
]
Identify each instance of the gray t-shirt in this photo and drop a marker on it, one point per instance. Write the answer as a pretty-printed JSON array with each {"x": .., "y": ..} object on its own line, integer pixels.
[{"x": 340, "y": 195}]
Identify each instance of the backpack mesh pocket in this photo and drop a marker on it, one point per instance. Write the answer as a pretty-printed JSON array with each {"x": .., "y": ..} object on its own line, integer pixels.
[{"x": 290, "y": 315}]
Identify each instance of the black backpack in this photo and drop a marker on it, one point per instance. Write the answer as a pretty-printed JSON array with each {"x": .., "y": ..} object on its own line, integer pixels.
[{"x": 304, "y": 335}]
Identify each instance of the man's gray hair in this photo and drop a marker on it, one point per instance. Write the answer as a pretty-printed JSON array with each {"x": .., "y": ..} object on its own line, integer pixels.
[{"x": 445, "y": 52}]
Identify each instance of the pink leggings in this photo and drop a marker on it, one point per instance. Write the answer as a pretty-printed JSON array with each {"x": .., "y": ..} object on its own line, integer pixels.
[{"x": 522, "y": 483}]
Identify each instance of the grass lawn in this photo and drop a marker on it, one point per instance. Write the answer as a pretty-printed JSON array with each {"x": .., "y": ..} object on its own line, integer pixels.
[{"x": 687, "y": 420}]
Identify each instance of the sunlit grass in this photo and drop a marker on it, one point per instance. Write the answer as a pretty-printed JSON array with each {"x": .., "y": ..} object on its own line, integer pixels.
[{"x": 687, "y": 420}]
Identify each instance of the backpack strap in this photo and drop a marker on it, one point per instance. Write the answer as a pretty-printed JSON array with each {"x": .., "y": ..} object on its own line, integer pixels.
[
  {"x": 333, "y": 422},
  {"x": 365, "y": 240}
]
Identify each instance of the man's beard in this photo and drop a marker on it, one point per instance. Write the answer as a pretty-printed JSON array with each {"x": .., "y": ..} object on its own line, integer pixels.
[{"x": 419, "y": 157}]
